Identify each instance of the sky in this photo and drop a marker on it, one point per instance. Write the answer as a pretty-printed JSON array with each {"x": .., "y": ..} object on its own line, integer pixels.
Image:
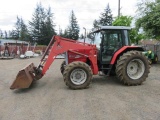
[{"x": 86, "y": 11}]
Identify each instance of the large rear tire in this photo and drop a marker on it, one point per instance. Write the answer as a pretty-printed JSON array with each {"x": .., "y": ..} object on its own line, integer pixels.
[
  {"x": 132, "y": 68},
  {"x": 77, "y": 75}
]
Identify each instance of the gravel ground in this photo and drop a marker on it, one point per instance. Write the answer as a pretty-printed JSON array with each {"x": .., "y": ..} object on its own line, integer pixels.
[{"x": 50, "y": 99}]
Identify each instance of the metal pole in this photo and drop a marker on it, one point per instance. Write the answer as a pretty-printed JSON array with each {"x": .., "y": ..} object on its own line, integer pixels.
[
  {"x": 119, "y": 4},
  {"x": 84, "y": 34}
]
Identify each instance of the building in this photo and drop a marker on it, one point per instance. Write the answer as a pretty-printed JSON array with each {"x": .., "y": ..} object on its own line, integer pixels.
[{"x": 12, "y": 42}]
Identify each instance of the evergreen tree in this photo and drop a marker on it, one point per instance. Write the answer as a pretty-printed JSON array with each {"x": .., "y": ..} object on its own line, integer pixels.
[
  {"x": 6, "y": 34},
  {"x": 95, "y": 23},
  {"x": 24, "y": 34},
  {"x": 63, "y": 33},
  {"x": 50, "y": 31},
  {"x": 82, "y": 36},
  {"x": 106, "y": 17},
  {"x": 73, "y": 28},
  {"x": 42, "y": 26},
  {"x": 17, "y": 30},
  {"x": 20, "y": 32},
  {"x": 66, "y": 33},
  {"x": 60, "y": 32},
  {"x": 36, "y": 23},
  {"x": 13, "y": 35},
  {"x": 1, "y": 33}
]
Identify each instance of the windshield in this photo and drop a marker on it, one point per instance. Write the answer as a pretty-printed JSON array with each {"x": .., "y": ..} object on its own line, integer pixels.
[{"x": 97, "y": 39}]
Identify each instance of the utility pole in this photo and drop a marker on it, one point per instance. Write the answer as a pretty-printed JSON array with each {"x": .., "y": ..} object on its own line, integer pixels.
[{"x": 119, "y": 4}]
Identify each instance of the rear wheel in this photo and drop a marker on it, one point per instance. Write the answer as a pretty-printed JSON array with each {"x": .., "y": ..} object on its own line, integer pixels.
[
  {"x": 77, "y": 75},
  {"x": 132, "y": 68}
]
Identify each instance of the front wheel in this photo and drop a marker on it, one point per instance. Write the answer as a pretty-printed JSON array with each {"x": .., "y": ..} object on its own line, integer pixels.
[
  {"x": 132, "y": 68},
  {"x": 77, "y": 75},
  {"x": 62, "y": 68}
]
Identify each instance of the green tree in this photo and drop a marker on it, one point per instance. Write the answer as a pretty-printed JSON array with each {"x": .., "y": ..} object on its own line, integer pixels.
[
  {"x": 13, "y": 34},
  {"x": 82, "y": 36},
  {"x": 66, "y": 33},
  {"x": 73, "y": 28},
  {"x": 135, "y": 37},
  {"x": 42, "y": 26},
  {"x": 24, "y": 34},
  {"x": 1, "y": 33},
  {"x": 122, "y": 21},
  {"x": 48, "y": 28},
  {"x": 20, "y": 30},
  {"x": 126, "y": 21},
  {"x": 36, "y": 24},
  {"x": 149, "y": 18},
  {"x": 95, "y": 23},
  {"x": 106, "y": 17},
  {"x": 5, "y": 34},
  {"x": 60, "y": 31},
  {"x": 17, "y": 30}
]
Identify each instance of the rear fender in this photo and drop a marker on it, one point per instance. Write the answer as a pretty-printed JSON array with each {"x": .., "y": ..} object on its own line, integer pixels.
[{"x": 122, "y": 50}]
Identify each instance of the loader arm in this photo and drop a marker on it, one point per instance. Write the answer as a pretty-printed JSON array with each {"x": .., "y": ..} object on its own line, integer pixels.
[{"x": 59, "y": 45}]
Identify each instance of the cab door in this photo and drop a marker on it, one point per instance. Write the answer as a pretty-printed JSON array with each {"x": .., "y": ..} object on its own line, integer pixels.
[{"x": 111, "y": 42}]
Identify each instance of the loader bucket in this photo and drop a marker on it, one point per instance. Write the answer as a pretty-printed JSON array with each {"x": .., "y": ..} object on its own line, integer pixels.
[{"x": 24, "y": 77}]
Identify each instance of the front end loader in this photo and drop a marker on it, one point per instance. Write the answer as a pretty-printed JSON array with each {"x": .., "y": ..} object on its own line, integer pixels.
[{"x": 58, "y": 45}]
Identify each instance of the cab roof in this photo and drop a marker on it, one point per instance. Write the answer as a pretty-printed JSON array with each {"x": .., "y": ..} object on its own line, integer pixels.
[{"x": 111, "y": 28}]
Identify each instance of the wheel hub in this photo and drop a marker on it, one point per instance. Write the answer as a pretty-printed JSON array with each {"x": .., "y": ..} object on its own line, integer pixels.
[
  {"x": 78, "y": 76},
  {"x": 132, "y": 68},
  {"x": 135, "y": 69}
]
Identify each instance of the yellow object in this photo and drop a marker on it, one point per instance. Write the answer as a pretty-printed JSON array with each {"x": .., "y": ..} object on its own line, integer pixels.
[{"x": 149, "y": 51}]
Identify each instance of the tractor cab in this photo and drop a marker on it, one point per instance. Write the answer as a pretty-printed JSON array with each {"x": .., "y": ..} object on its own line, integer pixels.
[{"x": 108, "y": 40}]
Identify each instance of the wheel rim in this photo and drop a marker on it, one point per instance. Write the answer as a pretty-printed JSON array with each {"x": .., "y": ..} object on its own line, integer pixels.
[
  {"x": 135, "y": 69},
  {"x": 78, "y": 76}
]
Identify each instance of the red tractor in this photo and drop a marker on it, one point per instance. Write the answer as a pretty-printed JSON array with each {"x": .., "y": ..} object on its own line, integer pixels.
[{"x": 110, "y": 53}]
